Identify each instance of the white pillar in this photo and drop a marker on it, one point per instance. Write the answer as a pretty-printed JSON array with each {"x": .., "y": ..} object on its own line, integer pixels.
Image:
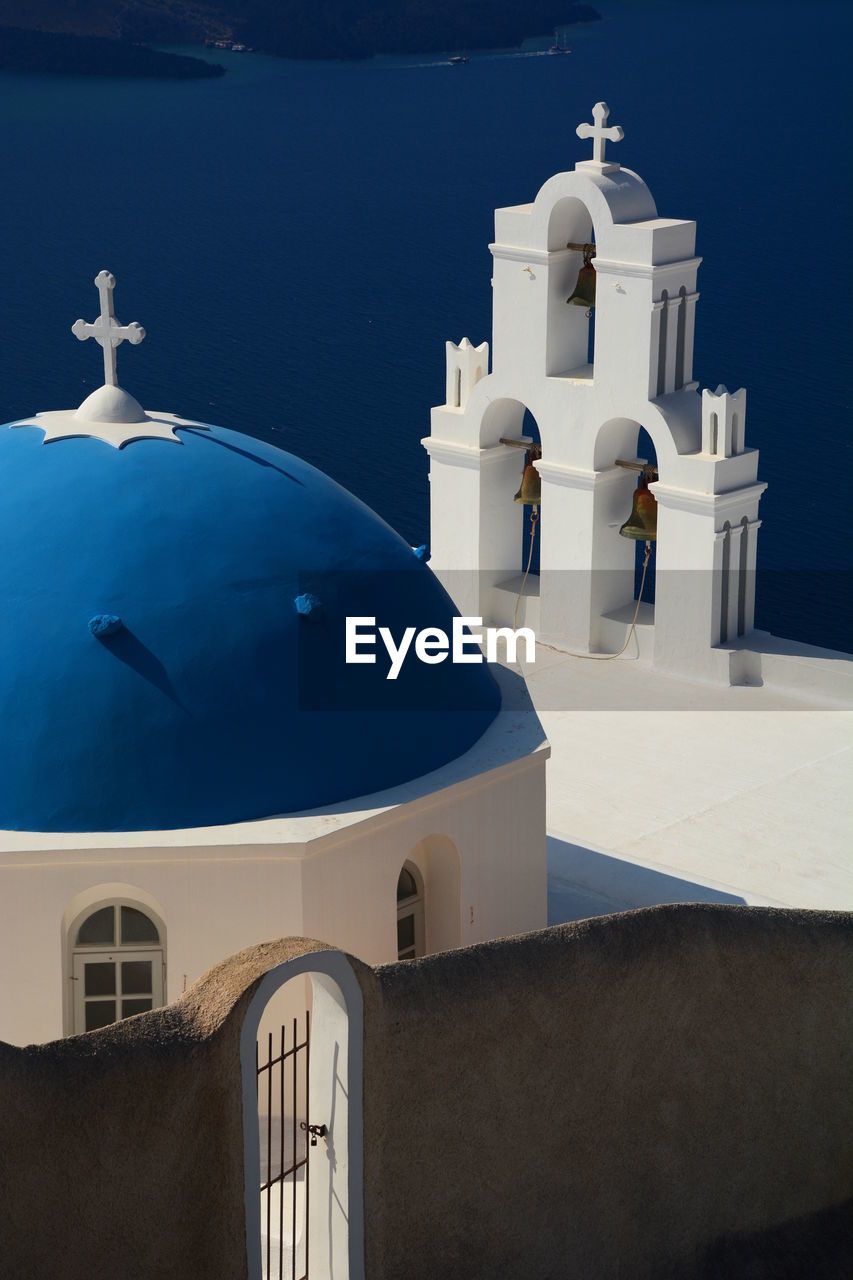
[
  {"x": 654, "y": 348},
  {"x": 687, "y": 581},
  {"x": 586, "y": 569},
  {"x": 689, "y": 334},
  {"x": 475, "y": 527},
  {"x": 694, "y": 579},
  {"x": 735, "y": 535},
  {"x": 750, "y": 532},
  {"x": 672, "y": 305},
  {"x": 718, "y": 579}
]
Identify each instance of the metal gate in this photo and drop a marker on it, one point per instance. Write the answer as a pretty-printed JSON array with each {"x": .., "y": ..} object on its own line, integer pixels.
[{"x": 285, "y": 1156}]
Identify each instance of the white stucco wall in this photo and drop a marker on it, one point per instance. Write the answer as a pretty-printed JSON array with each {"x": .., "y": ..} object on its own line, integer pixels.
[{"x": 328, "y": 875}]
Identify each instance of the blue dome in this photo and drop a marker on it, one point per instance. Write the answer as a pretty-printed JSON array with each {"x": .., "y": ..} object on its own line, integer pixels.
[{"x": 156, "y": 669}]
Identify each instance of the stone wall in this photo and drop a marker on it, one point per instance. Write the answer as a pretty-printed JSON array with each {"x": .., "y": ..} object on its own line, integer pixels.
[
  {"x": 121, "y": 1151},
  {"x": 633, "y": 1096},
  {"x": 663, "y": 1093}
]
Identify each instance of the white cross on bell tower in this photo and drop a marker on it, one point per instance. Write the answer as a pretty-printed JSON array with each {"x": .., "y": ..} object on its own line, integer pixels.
[
  {"x": 600, "y": 134},
  {"x": 107, "y": 330}
]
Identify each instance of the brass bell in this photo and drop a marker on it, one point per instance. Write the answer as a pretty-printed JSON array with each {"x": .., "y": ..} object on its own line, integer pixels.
[
  {"x": 530, "y": 490},
  {"x": 642, "y": 523},
  {"x": 584, "y": 294}
]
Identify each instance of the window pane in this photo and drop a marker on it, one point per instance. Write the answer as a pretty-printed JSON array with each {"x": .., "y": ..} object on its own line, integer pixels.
[
  {"x": 407, "y": 885},
  {"x": 98, "y": 929},
  {"x": 136, "y": 927},
  {"x": 130, "y": 1007},
  {"x": 405, "y": 933},
  {"x": 100, "y": 979},
  {"x": 136, "y": 977},
  {"x": 99, "y": 1013},
  {"x": 407, "y": 955}
]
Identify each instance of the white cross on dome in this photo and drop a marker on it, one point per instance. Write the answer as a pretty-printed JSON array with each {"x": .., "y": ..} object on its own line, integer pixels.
[
  {"x": 107, "y": 330},
  {"x": 110, "y": 413}
]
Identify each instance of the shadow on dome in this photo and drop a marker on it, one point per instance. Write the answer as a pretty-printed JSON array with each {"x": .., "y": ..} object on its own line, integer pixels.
[
  {"x": 244, "y": 453},
  {"x": 130, "y": 650}
]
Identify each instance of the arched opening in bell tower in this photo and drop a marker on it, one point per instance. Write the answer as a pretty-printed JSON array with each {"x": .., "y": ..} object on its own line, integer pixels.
[
  {"x": 624, "y": 560},
  {"x": 509, "y": 530},
  {"x": 531, "y": 535},
  {"x": 570, "y": 322},
  {"x": 645, "y": 452}
]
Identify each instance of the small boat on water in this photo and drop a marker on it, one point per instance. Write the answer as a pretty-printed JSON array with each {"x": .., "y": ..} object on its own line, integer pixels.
[
  {"x": 458, "y": 60},
  {"x": 216, "y": 42},
  {"x": 559, "y": 46}
]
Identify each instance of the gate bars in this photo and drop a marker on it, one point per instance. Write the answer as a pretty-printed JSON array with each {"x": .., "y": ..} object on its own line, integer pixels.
[{"x": 283, "y": 1059}]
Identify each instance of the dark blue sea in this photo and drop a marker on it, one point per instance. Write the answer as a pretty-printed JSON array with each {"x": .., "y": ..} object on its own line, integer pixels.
[{"x": 299, "y": 239}]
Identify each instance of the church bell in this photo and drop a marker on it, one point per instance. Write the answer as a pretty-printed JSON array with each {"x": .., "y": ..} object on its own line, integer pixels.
[
  {"x": 584, "y": 294},
  {"x": 642, "y": 523},
  {"x": 530, "y": 490}
]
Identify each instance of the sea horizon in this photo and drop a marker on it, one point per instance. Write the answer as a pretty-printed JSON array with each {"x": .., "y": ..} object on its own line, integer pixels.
[{"x": 301, "y": 238}]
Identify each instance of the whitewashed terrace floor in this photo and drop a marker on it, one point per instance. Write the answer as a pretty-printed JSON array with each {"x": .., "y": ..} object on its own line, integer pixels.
[{"x": 662, "y": 790}]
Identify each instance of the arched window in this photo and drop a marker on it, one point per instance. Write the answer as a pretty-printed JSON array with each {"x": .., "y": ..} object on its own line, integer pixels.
[
  {"x": 410, "y": 913},
  {"x": 117, "y": 965}
]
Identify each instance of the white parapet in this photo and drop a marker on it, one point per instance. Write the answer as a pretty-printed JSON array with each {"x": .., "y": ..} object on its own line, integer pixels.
[
  {"x": 723, "y": 422},
  {"x": 466, "y": 365}
]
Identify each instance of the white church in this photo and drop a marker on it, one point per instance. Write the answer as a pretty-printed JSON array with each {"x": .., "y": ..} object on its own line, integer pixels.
[{"x": 188, "y": 766}]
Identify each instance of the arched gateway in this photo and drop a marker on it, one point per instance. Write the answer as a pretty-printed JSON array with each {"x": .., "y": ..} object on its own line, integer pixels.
[
  {"x": 303, "y": 1163},
  {"x": 590, "y": 406}
]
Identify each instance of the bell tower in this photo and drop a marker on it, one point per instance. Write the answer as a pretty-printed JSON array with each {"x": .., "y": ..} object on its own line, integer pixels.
[{"x": 590, "y": 397}]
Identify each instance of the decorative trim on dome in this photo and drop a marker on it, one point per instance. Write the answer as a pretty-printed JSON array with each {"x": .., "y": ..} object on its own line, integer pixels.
[
  {"x": 110, "y": 404},
  {"x": 105, "y": 624},
  {"x": 309, "y": 606},
  {"x": 64, "y": 424},
  {"x": 110, "y": 413}
]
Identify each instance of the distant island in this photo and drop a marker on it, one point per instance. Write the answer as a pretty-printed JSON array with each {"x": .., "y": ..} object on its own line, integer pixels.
[
  {"x": 364, "y": 28},
  {"x": 286, "y": 28},
  {"x": 64, "y": 54}
]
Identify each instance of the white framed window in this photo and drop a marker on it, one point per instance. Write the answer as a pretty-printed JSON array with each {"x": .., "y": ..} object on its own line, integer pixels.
[
  {"x": 117, "y": 965},
  {"x": 410, "y": 913}
]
